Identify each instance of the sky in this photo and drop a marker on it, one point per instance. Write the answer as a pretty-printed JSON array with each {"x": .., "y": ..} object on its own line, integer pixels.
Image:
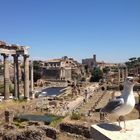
[{"x": 74, "y": 28}]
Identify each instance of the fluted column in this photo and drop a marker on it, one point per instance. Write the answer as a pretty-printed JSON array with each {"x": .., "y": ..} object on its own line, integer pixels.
[
  {"x": 16, "y": 77},
  {"x": 26, "y": 76},
  {"x": 6, "y": 77}
]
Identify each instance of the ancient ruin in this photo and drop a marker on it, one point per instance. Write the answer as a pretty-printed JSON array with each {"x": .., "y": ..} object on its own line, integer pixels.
[{"x": 7, "y": 50}]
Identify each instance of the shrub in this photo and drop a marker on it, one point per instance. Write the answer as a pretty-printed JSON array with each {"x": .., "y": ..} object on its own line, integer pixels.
[{"x": 76, "y": 116}]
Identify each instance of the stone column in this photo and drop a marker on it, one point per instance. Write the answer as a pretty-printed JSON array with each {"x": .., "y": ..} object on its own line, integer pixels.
[
  {"x": 61, "y": 73},
  {"x": 17, "y": 67},
  {"x": 123, "y": 76},
  {"x": 119, "y": 78},
  {"x": 6, "y": 77},
  {"x": 32, "y": 78},
  {"x": 64, "y": 74},
  {"x": 16, "y": 77},
  {"x": 26, "y": 77},
  {"x": 126, "y": 72}
]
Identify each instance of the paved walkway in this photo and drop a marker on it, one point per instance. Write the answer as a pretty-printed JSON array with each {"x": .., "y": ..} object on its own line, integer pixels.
[{"x": 76, "y": 103}]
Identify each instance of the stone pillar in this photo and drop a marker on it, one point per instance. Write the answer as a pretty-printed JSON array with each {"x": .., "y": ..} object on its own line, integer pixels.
[
  {"x": 123, "y": 76},
  {"x": 17, "y": 67},
  {"x": 6, "y": 77},
  {"x": 26, "y": 77},
  {"x": 126, "y": 72},
  {"x": 8, "y": 116},
  {"x": 16, "y": 77},
  {"x": 119, "y": 78},
  {"x": 64, "y": 74},
  {"x": 61, "y": 73},
  {"x": 32, "y": 78}
]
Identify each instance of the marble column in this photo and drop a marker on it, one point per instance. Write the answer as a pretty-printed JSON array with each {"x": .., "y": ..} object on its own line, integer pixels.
[
  {"x": 16, "y": 77},
  {"x": 6, "y": 77},
  {"x": 26, "y": 77},
  {"x": 32, "y": 78}
]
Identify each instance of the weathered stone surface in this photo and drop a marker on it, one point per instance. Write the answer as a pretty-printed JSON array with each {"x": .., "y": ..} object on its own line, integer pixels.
[
  {"x": 50, "y": 131},
  {"x": 36, "y": 123},
  {"x": 9, "y": 116},
  {"x": 76, "y": 129},
  {"x": 9, "y": 126},
  {"x": 29, "y": 134},
  {"x": 10, "y": 136},
  {"x": 54, "y": 103}
]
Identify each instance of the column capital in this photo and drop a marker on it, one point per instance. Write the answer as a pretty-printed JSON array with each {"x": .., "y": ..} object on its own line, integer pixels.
[
  {"x": 15, "y": 55},
  {"x": 26, "y": 56},
  {"x": 5, "y": 55}
]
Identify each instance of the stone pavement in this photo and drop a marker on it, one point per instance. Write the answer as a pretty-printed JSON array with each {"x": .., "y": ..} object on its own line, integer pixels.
[{"x": 111, "y": 131}]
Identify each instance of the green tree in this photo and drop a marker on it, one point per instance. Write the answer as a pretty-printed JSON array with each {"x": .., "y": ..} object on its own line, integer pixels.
[
  {"x": 36, "y": 65},
  {"x": 37, "y": 70},
  {"x": 37, "y": 75},
  {"x": 106, "y": 70},
  {"x": 133, "y": 64},
  {"x": 97, "y": 74}
]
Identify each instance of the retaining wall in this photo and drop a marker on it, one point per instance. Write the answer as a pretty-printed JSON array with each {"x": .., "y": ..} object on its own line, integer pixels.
[{"x": 75, "y": 129}]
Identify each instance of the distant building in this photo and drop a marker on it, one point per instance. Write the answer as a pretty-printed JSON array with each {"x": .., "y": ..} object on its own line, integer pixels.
[
  {"x": 90, "y": 62},
  {"x": 59, "y": 69}
]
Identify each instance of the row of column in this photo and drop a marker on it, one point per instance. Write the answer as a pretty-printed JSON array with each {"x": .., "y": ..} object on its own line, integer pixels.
[
  {"x": 122, "y": 74},
  {"x": 16, "y": 76}
]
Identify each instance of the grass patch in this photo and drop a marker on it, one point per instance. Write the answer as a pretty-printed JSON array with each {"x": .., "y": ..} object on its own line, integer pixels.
[
  {"x": 13, "y": 104},
  {"x": 56, "y": 122},
  {"x": 19, "y": 124}
]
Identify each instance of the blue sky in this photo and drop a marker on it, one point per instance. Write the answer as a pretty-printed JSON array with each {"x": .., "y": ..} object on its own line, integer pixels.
[{"x": 76, "y": 28}]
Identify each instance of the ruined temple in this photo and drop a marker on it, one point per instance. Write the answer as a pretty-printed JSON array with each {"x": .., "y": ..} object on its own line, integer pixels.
[{"x": 60, "y": 69}]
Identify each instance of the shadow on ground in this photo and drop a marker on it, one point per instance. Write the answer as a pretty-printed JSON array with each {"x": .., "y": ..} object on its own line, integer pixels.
[{"x": 110, "y": 127}]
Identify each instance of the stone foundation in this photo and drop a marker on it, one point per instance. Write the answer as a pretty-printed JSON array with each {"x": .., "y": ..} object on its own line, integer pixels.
[
  {"x": 50, "y": 131},
  {"x": 75, "y": 129},
  {"x": 30, "y": 133}
]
